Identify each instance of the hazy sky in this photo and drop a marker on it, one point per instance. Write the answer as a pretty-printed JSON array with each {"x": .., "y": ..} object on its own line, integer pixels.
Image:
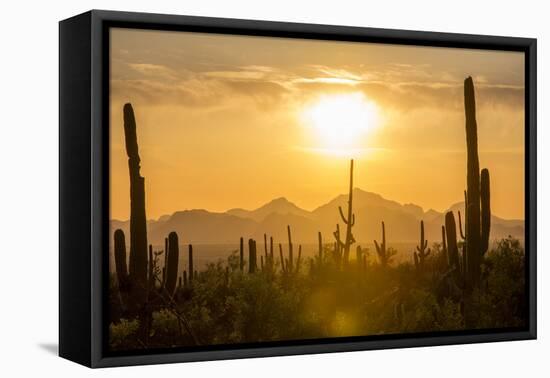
[{"x": 236, "y": 121}]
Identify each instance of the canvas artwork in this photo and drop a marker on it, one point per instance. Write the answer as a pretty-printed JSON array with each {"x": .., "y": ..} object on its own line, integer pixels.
[{"x": 270, "y": 190}]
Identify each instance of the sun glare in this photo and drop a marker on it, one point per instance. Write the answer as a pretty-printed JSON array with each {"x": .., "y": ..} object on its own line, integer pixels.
[{"x": 341, "y": 121}]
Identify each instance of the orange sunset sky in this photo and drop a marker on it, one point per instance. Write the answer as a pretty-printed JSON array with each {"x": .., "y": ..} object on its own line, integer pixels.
[{"x": 236, "y": 121}]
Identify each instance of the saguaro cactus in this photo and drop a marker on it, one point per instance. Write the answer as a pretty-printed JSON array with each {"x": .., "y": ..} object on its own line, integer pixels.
[
  {"x": 252, "y": 256},
  {"x": 299, "y": 259},
  {"x": 190, "y": 262},
  {"x": 165, "y": 261},
  {"x": 478, "y": 213},
  {"x": 173, "y": 259},
  {"x": 265, "y": 248},
  {"x": 138, "y": 225},
  {"x": 290, "y": 249},
  {"x": 281, "y": 256},
  {"x": 271, "y": 262},
  {"x": 338, "y": 245},
  {"x": 120, "y": 260},
  {"x": 452, "y": 247},
  {"x": 241, "y": 254},
  {"x": 348, "y": 220},
  {"x": 422, "y": 250},
  {"x": 384, "y": 254}
]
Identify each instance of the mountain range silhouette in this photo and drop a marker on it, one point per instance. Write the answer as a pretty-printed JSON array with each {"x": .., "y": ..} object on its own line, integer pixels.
[{"x": 200, "y": 226}]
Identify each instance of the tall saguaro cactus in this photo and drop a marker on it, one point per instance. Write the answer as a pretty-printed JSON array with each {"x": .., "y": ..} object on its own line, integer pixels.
[
  {"x": 172, "y": 266},
  {"x": 348, "y": 220},
  {"x": 138, "y": 223},
  {"x": 478, "y": 212}
]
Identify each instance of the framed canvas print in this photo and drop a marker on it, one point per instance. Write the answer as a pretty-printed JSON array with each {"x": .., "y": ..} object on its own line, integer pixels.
[{"x": 233, "y": 188}]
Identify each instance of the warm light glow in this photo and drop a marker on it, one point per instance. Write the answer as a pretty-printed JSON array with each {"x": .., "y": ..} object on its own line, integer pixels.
[{"x": 342, "y": 121}]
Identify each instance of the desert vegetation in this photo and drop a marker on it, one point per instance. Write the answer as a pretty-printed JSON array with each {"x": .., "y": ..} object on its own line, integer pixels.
[{"x": 268, "y": 291}]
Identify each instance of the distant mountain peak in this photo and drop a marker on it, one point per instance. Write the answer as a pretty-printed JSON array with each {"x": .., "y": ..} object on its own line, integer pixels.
[{"x": 280, "y": 205}]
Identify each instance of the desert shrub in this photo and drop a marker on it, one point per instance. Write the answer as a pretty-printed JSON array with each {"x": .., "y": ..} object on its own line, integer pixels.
[{"x": 122, "y": 335}]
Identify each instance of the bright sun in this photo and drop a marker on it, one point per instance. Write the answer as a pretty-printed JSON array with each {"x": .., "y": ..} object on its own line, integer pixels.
[{"x": 341, "y": 120}]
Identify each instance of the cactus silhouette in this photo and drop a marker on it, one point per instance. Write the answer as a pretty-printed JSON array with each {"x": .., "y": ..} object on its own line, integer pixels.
[
  {"x": 452, "y": 246},
  {"x": 422, "y": 250},
  {"x": 120, "y": 260},
  {"x": 384, "y": 254},
  {"x": 338, "y": 245},
  {"x": 252, "y": 266},
  {"x": 299, "y": 259},
  {"x": 283, "y": 268},
  {"x": 348, "y": 220},
  {"x": 241, "y": 254},
  {"x": 290, "y": 249},
  {"x": 271, "y": 261},
  {"x": 477, "y": 206},
  {"x": 190, "y": 263},
  {"x": 265, "y": 248},
  {"x": 172, "y": 267},
  {"x": 165, "y": 261},
  {"x": 138, "y": 225}
]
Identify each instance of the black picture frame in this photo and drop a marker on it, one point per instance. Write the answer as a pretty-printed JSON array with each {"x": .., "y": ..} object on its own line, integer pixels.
[{"x": 84, "y": 193}]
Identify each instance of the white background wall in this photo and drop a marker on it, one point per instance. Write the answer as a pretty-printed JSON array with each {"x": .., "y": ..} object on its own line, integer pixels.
[{"x": 29, "y": 189}]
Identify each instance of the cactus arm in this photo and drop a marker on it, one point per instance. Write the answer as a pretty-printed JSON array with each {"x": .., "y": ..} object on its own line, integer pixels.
[
  {"x": 120, "y": 259},
  {"x": 460, "y": 226},
  {"x": 377, "y": 247},
  {"x": 342, "y": 215}
]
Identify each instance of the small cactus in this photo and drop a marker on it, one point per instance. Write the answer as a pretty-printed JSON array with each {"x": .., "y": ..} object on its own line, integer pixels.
[
  {"x": 422, "y": 250},
  {"x": 384, "y": 254}
]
